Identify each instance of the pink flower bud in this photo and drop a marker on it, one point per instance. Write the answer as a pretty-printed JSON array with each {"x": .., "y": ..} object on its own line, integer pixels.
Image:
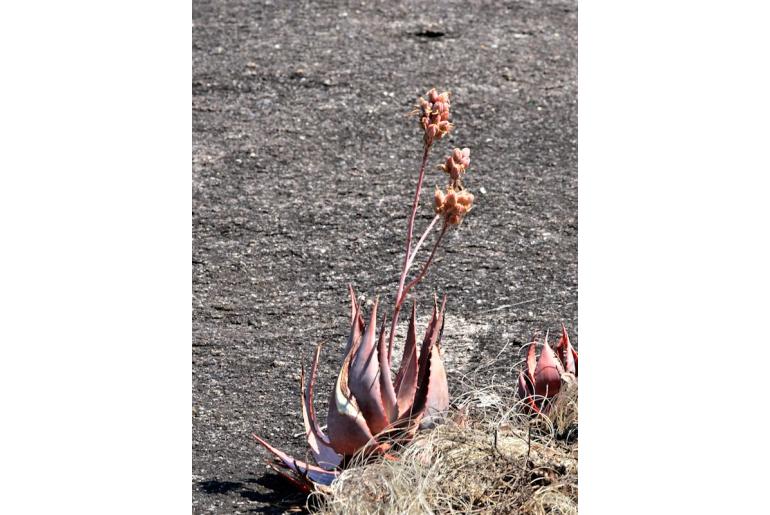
[
  {"x": 465, "y": 199},
  {"x": 450, "y": 200},
  {"x": 466, "y": 159},
  {"x": 439, "y": 201},
  {"x": 435, "y": 112}
]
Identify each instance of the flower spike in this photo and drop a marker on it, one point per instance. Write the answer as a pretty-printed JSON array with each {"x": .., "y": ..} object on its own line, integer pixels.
[{"x": 434, "y": 116}]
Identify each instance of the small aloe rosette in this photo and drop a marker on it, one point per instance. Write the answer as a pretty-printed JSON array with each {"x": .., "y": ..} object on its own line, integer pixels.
[
  {"x": 541, "y": 380},
  {"x": 368, "y": 411}
]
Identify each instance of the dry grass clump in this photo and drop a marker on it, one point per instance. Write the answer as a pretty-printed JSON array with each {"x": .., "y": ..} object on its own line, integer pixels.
[{"x": 487, "y": 458}]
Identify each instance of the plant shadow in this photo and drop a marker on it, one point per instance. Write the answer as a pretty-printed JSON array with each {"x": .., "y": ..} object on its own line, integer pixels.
[{"x": 275, "y": 496}]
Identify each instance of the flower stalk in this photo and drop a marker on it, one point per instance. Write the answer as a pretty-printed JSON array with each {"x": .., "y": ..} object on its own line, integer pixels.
[{"x": 434, "y": 119}]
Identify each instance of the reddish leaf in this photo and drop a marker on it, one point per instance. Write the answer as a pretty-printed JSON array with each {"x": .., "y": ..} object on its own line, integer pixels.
[
  {"x": 406, "y": 378},
  {"x": 356, "y": 324},
  {"x": 300, "y": 468},
  {"x": 386, "y": 384},
  {"x": 548, "y": 372},
  {"x": 437, "y": 401},
  {"x": 364, "y": 381},
  {"x": 566, "y": 353},
  {"x": 323, "y": 453},
  {"x": 532, "y": 360},
  {"x": 524, "y": 386},
  {"x": 348, "y": 431}
]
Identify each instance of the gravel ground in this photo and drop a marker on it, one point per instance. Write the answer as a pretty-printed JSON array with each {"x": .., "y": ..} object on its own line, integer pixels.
[{"x": 304, "y": 165}]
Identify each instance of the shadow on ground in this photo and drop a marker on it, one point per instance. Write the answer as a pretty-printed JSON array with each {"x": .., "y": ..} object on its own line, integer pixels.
[{"x": 272, "y": 494}]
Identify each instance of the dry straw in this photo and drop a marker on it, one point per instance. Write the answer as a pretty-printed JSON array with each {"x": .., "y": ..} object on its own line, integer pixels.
[{"x": 487, "y": 458}]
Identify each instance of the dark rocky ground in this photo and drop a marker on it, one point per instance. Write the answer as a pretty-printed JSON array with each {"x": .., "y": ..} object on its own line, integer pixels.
[{"x": 303, "y": 169}]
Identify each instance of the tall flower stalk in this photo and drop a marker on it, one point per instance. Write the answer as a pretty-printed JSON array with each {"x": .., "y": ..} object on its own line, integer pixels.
[{"x": 434, "y": 119}]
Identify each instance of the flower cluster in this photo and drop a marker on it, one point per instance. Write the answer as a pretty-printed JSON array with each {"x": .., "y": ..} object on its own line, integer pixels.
[
  {"x": 455, "y": 166},
  {"x": 434, "y": 115},
  {"x": 454, "y": 205}
]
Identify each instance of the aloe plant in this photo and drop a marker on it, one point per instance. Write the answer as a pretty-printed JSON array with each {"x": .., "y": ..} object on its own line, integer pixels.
[
  {"x": 541, "y": 379},
  {"x": 369, "y": 411}
]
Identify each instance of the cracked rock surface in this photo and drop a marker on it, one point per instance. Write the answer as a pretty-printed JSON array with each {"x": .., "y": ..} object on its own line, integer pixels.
[{"x": 304, "y": 166}]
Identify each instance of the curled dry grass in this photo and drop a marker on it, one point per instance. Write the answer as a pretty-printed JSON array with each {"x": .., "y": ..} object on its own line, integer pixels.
[{"x": 486, "y": 458}]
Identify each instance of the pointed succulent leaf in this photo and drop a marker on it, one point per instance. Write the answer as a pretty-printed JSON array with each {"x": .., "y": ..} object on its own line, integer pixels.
[
  {"x": 575, "y": 359},
  {"x": 356, "y": 323},
  {"x": 532, "y": 360},
  {"x": 301, "y": 469},
  {"x": 364, "y": 381},
  {"x": 566, "y": 353},
  {"x": 347, "y": 428},
  {"x": 323, "y": 453},
  {"x": 300, "y": 483},
  {"x": 524, "y": 386},
  {"x": 406, "y": 378},
  {"x": 386, "y": 384},
  {"x": 526, "y": 391},
  {"x": 437, "y": 401},
  {"x": 353, "y": 304},
  {"x": 430, "y": 393},
  {"x": 548, "y": 372},
  {"x": 422, "y": 360},
  {"x": 415, "y": 411}
]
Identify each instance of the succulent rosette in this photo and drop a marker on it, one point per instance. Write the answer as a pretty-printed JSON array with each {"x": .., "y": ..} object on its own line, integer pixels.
[
  {"x": 541, "y": 379},
  {"x": 369, "y": 412}
]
